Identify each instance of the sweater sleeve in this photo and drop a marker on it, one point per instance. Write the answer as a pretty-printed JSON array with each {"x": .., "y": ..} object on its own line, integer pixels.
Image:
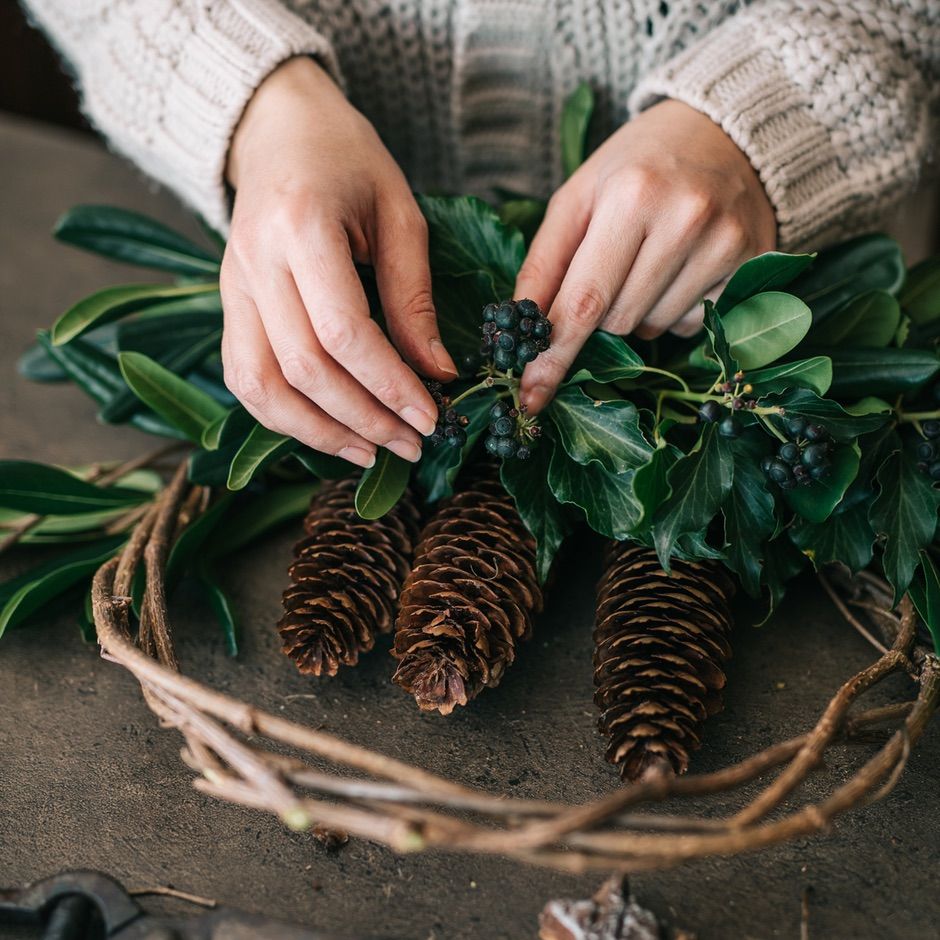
[
  {"x": 834, "y": 102},
  {"x": 166, "y": 81}
]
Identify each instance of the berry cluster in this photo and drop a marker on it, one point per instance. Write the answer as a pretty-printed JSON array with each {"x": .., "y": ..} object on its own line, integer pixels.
[
  {"x": 928, "y": 450},
  {"x": 737, "y": 398},
  {"x": 514, "y": 333},
  {"x": 450, "y": 425},
  {"x": 511, "y": 434},
  {"x": 806, "y": 457}
]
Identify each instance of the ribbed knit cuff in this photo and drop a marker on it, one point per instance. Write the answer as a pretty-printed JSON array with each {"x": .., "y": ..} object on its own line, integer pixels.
[
  {"x": 235, "y": 45},
  {"x": 742, "y": 86}
]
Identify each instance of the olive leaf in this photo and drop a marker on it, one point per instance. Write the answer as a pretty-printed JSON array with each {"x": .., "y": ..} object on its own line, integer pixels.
[
  {"x": 260, "y": 448},
  {"x": 37, "y": 488},
  {"x": 888, "y": 371},
  {"x": 382, "y": 485}
]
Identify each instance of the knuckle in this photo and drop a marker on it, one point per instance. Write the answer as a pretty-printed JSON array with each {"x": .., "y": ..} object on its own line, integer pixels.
[
  {"x": 300, "y": 370},
  {"x": 696, "y": 208},
  {"x": 338, "y": 335},
  {"x": 635, "y": 184},
  {"x": 586, "y": 305},
  {"x": 247, "y": 383},
  {"x": 732, "y": 238},
  {"x": 389, "y": 392},
  {"x": 648, "y": 331}
]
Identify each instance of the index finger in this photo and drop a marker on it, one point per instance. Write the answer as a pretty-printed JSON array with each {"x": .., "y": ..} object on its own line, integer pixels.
[{"x": 336, "y": 303}]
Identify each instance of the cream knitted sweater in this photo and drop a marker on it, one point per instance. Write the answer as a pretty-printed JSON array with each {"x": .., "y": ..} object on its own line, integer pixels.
[{"x": 835, "y": 102}]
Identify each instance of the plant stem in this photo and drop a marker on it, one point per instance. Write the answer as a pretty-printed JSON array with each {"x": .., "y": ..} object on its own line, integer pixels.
[
  {"x": 668, "y": 375},
  {"x": 507, "y": 381},
  {"x": 915, "y": 417}
]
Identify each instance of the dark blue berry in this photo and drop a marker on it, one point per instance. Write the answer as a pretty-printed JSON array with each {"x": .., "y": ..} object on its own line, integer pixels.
[
  {"x": 455, "y": 436},
  {"x": 779, "y": 472},
  {"x": 505, "y": 447},
  {"x": 935, "y": 470},
  {"x": 525, "y": 325},
  {"x": 526, "y": 351},
  {"x": 789, "y": 452},
  {"x": 506, "y": 317},
  {"x": 489, "y": 313},
  {"x": 931, "y": 429},
  {"x": 524, "y": 452},
  {"x": 528, "y": 308},
  {"x": 503, "y": 427},
  {"x": 492, "y": 444},
  {"x": 815, "y": 432},
  {"x": 503, "y": 359},
  {"x": 795, "y": 426},
  {"x": 730, "y": 427},
  {"x": 815, "y": 455},
  {"x": 498, "y": 409},
  {"x": 710, "y": 411},
  {"x": 542, "y": 328},
  {"x": 926, "y": 450},
  {"x": 506, "y": 341}
]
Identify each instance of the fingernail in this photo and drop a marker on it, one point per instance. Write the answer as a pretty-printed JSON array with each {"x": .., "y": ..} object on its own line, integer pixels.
[
  {"x": 358, "y": 455},
  {"x": 442, "y": 357},
  {"x": 420, "y": 420},
  {"x": 405, "y": 449}
]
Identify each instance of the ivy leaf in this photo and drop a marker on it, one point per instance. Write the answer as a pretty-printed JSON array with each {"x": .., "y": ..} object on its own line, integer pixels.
[
  {"x": 920, "y": 298},
  {"x": 871, "y": 262},
  {"x": 925, "y": 595},
  {"x": 252, "y": 518},
  {"x": 31, "y": 591},
  {"x": 112, "y": 303},
  {"x": 905, "y": 513},
  {"x": 846, "y": 536},
  {"x": 650, "y": 482},
  {"x": 606, "y": 498},
  {"x": 134, "y": 239},
  {"x": 466, "y": 235},
  {"x": 607, "y": 432},
  {"x": 814, "y": 374},
  {"x": 889, "y": 371},
  {"x": 765, "y": 327},
  {"x": 37, "y": 488},
  {"x": 871, "y": 319},
  {"x": 575, "y": 117},
  {"x": 179, "y": 402},
  {"x": 772, "y": 270},
  {"x": 523, "y": 214},
  {"x": 816, "y": 501},
  {"x": 699, "y": 482},
  {"x": 527, "y": 482},
  {"x": 721, "y": 350},
  {"x": 439, "y": 466},
  {"x": 260, "y": 448},
  {"x": 605, "y": 358},
  {"x": 381, "y": 486},
  {"x": 749, "y": 515},
  {"x": 843, "y": 424},
  {"x": 459, "y": 301}
]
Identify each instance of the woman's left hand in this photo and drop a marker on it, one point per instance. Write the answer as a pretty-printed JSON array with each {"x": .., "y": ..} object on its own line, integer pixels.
[{"x": 656, "y": 219}]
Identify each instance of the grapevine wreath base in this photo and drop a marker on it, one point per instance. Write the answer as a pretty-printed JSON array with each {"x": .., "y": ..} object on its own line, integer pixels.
[{"x": 236, "y": 749}]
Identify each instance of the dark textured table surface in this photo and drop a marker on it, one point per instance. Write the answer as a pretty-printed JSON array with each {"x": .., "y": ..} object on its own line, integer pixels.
[{"x": 87, "y": 779}]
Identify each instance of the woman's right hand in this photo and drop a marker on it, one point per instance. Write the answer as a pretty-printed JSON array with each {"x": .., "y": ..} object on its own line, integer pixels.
[{"x": 316, "y": 191}]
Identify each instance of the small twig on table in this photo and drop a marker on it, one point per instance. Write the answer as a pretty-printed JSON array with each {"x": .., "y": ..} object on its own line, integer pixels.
[
  {"x": 849, "y": 616},
  {"x": 170, "y": 892}
]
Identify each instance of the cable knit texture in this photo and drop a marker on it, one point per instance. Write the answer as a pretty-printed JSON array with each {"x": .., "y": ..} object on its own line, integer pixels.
[{"x": 834, "y": 102}]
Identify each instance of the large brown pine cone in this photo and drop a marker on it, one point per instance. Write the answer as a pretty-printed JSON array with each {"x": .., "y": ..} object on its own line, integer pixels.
[
  {"x": 470, "y": 598},
  {"x": 661, "y": 642},
  {"x": 346, "y": 576}
]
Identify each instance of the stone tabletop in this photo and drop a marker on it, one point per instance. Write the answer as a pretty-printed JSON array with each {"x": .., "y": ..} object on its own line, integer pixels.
[{"x": 87, "y": 779}]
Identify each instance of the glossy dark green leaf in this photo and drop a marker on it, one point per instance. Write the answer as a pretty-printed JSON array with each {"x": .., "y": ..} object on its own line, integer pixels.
[
  {"x": 36, "y": 365},
  {"x": 466, "y": 235},
  {"x": 770, "y": 271},
  {"x": 176, "y": 400},
  {"x": 814, "y": 373},
  {"x": 439, "y": 465},
  {"x": 699, "y": 483},
  {"x": 254, "y": 517},
  {"x": 523, "y": 214},
  {"x": 783, "y": 561},
  {"x": 155, "y": 335},
  {"x": 838, "y": 421},
  {"x": 260, "y": 448},
  {"x": 905, "y": 513},
  {"x": 816, "y": 501},
  {"x": 605, "y": 358},
  {"x": 925, "y": 594},
  {"x": 871, "y": 320},
  {"x": 765, "y": 327},
  {"x": 607, "y": 432},
  {"x": 889, "y": 371},
  {"x": 31, "y": 591},
  {"x": 133, "y": 238},
  {"x": 324, "y": 466},
  {"x": 459, "y": 302},
  {"x": 748, "y": 513},
  {"x": 650, "y": 482},
  {"x": 38, "y": 488},
  {"x": 846, "y": 536},
  {"x": 112, "y": 303},
  {"x": 223, "y": 610},
  {"x": 871, "y": 262},
  {"x": 606, "y": 499},
  {"x": 187, "y": 548},
  {"x": 920, "y": 298},
  {"x": 382, "y": 485},
  {"x": 527, "y": 482},
  {"x": 178, "y": 360},
  {"x": 720, "y": 349},
  {"x": 575, "y": 117}
]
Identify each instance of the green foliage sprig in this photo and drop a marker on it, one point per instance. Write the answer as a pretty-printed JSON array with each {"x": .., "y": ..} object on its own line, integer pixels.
[{"x": 802, "y": 426}]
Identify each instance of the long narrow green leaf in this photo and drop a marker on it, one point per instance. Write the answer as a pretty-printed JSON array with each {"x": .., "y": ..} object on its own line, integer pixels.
[
  {"x": 178, "y": 401},
  {"x": 112, "y": 303},
  {"x": 133, "y": 238},
  {"x": 260, "y": 448},
  {"x": 224, "y": 613},
  {"x": 38, "y": 488},
  {"x": 381, "y": 486}
]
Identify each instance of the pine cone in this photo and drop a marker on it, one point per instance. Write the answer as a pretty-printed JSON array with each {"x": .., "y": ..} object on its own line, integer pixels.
[
  {"x": 469, "y": 599},
  {"x": 660, "y": 644},
  {"x": 346, "y": 575}
]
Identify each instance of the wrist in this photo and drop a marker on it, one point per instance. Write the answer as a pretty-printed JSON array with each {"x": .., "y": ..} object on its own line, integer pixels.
[{"x": 278, "y": 103}]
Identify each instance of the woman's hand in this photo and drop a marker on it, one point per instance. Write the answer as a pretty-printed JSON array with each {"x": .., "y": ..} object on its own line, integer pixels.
[
  {"x": 317, "y": 191},
  {"x": 654, "y": 221}
]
